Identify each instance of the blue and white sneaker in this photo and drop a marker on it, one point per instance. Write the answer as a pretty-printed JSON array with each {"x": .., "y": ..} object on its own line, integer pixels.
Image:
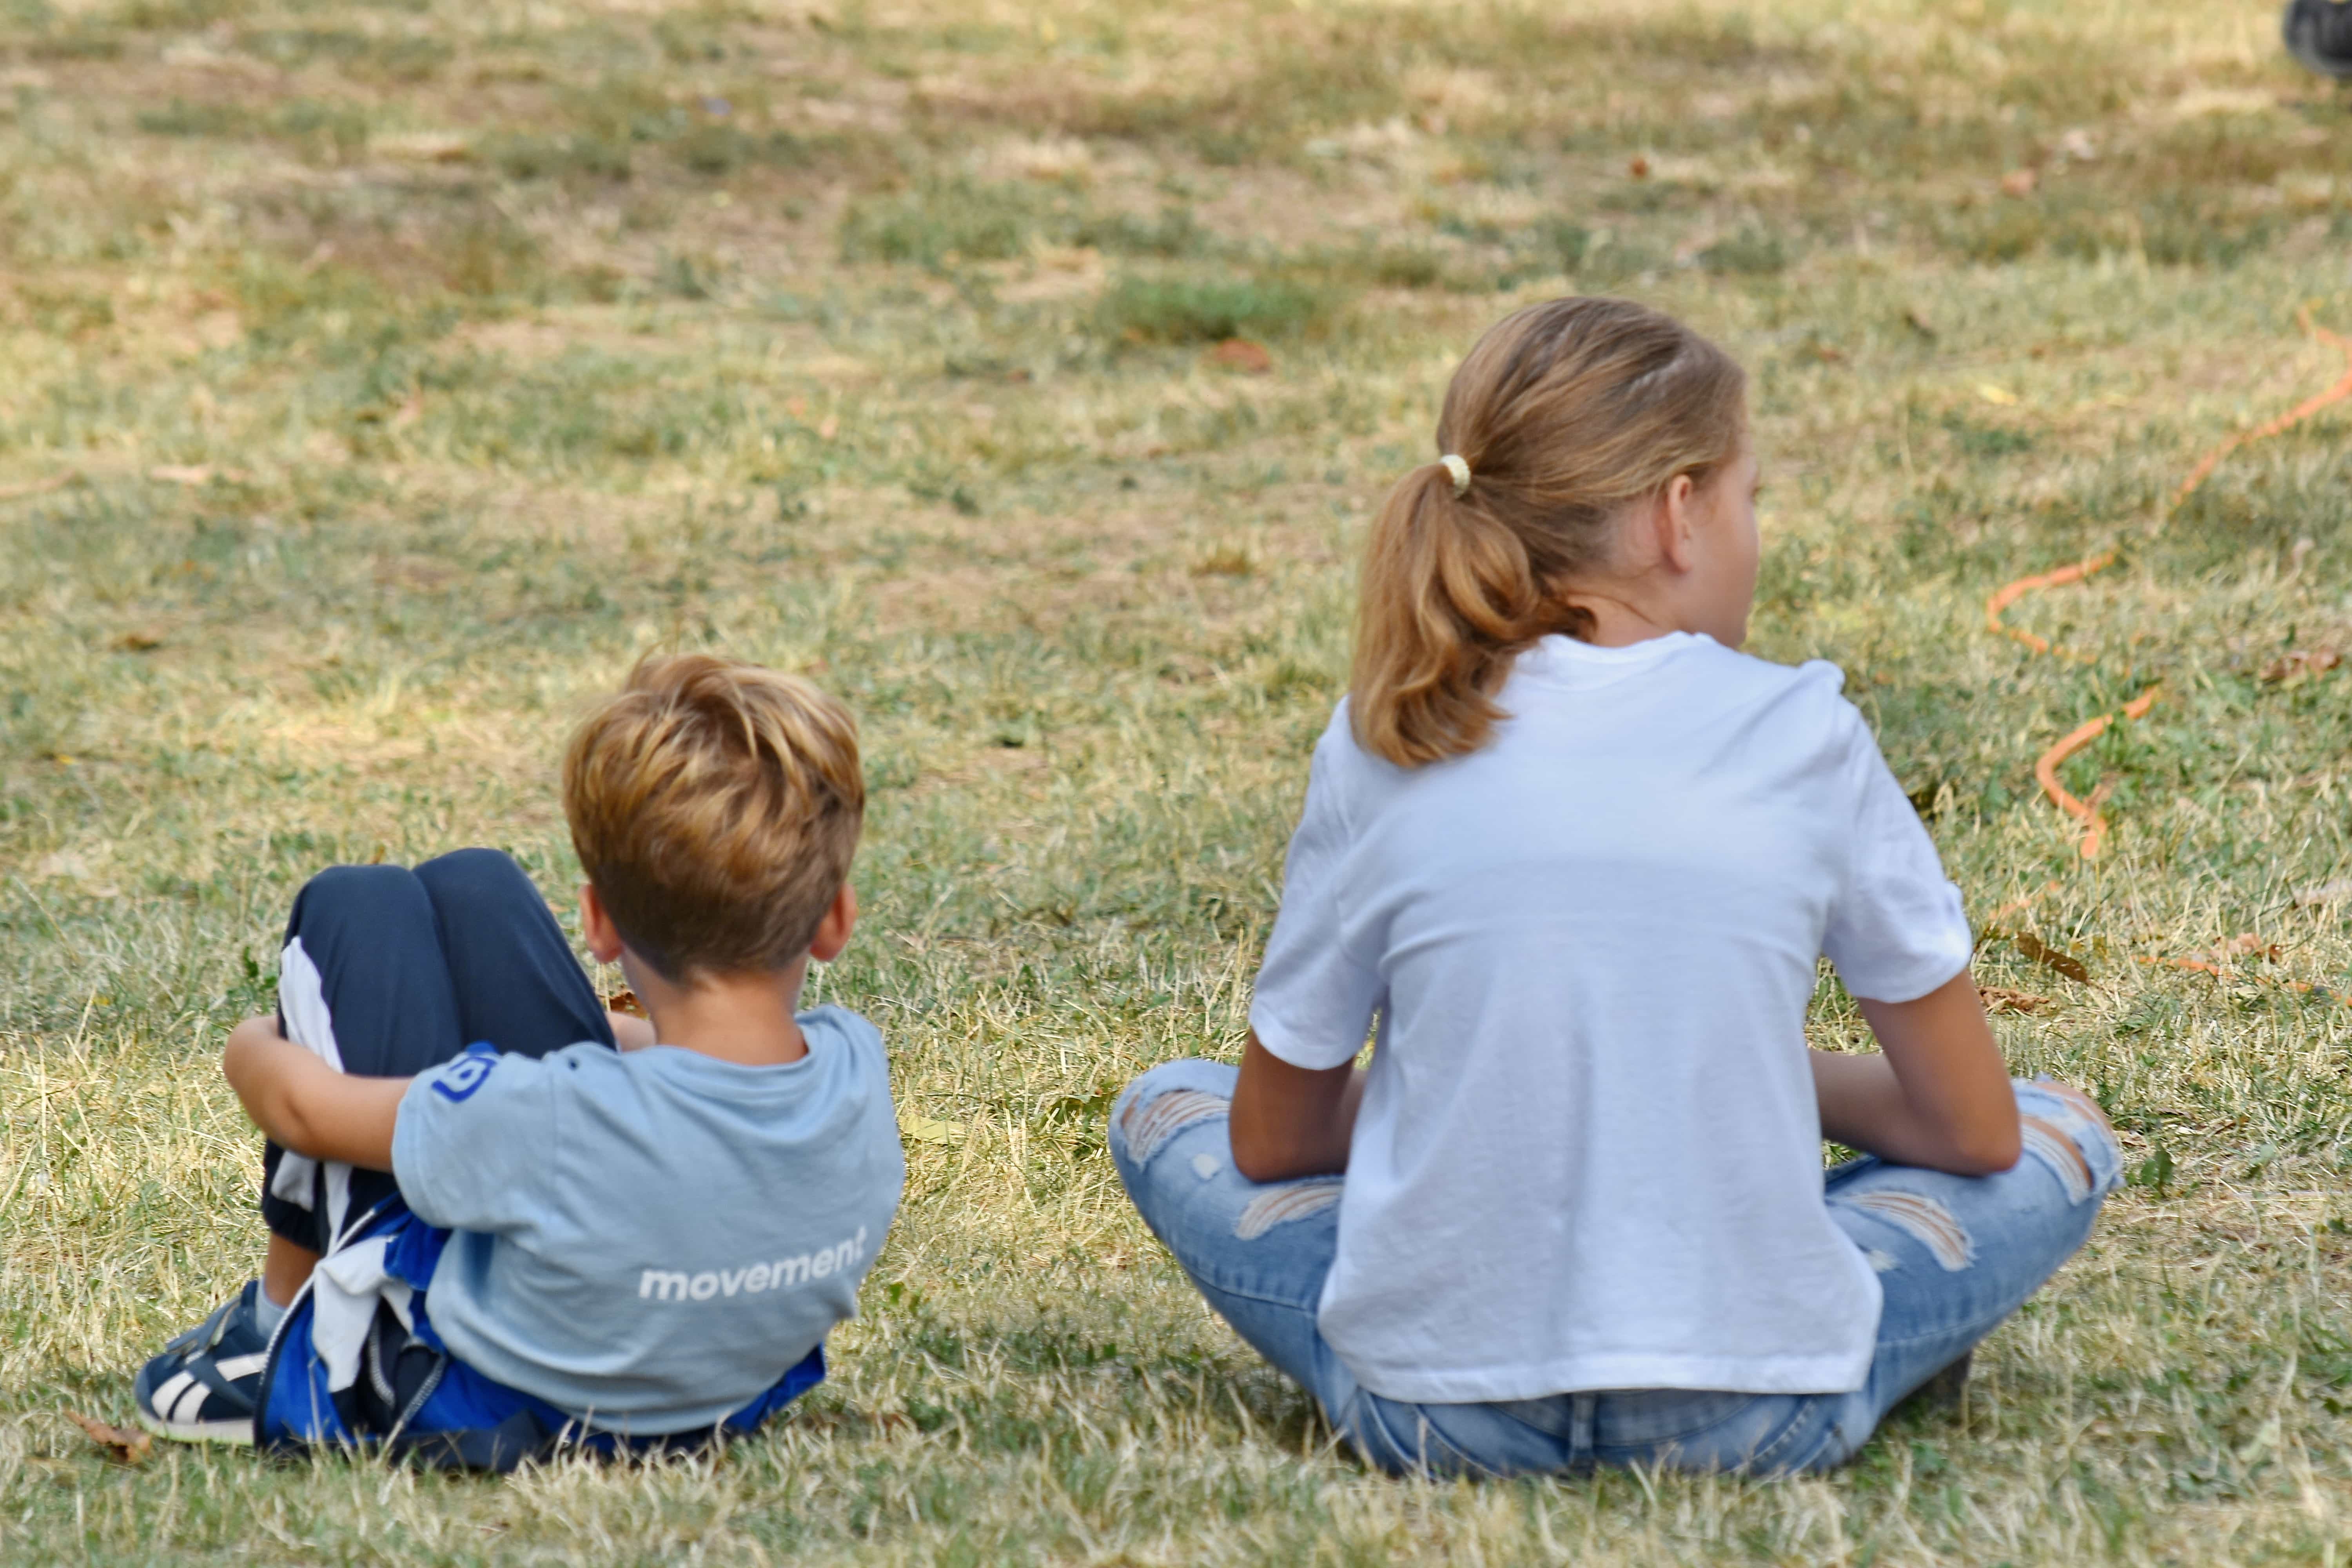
[{"x": 202, "y": 1388}]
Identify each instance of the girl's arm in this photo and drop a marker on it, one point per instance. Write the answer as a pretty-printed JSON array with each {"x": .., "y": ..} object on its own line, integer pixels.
[
  {"x": 303, "y": 1104},
  {"x": 1289, "y": 1122},
  {"x": 1939, "y": 1096}
]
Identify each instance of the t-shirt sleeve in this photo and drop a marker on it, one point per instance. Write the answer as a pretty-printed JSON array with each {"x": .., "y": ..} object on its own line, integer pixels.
[
  {"x": 1315, "y": 1001},
  {"x": 470, "y": 1147},
  {"x": 1897, "y": 929}
]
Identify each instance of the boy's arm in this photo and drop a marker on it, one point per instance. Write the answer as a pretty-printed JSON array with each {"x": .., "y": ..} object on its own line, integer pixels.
[{"x": 303, "y": 1104}]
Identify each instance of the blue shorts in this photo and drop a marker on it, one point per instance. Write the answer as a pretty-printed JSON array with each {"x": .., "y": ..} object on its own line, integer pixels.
[{"x": 411, "y": 1397}]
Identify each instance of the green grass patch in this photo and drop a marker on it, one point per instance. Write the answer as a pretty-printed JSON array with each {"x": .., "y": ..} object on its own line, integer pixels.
[
  {"x": 1209, "y": 310},
  {"x": 938, "y": 223}
]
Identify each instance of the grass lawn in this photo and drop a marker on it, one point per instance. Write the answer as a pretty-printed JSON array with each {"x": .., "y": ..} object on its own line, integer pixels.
[{"x": 380, "y": 377}]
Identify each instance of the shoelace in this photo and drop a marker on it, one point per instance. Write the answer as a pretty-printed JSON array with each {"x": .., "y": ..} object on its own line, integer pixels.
[{"x": 208, "y": 1334}]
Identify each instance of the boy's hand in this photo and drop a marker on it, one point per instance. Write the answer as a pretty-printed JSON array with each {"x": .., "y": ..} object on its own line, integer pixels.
[{"x": 301, "y": 1103}]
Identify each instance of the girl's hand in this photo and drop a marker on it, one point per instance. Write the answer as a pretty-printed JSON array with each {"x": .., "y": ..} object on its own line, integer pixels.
[
  {"x": 1939, "y": 1097},
  {"x": 1291, "y": 1121}
]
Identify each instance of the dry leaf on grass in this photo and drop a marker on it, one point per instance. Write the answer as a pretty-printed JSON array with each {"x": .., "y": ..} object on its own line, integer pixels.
[
  {"x": 128, "y": 1445},
  {"x": 624, "y": 1001},
  {"x": 2001, "y": 999},
  {"x": 1242, "y": 355},
  {"x": 2301, "y": 661},
  {"x": 931, "y": 1129},
  {"x": 2053, "y": 958},
  {"x": 137, "y": 640},
  {"x": 2018, "y": 183}
]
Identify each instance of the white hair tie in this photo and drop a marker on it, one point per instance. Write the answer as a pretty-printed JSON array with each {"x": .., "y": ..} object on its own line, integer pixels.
[{"x": 1453, "y": 465}]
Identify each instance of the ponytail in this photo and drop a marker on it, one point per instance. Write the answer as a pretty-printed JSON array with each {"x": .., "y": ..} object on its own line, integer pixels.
[
  {"x": 1448, "y": 599},
  {"x": 1563, "y": 414}
]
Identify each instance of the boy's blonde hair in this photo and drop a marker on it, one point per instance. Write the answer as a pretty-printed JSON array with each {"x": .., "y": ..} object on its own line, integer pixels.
[
  {"x": 1563, "y": 414},
  {"x": 716, "y": 807}
]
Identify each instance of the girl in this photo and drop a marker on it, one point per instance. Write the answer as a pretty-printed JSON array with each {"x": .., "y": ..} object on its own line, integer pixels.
[{"x": 1578, "y": 856}]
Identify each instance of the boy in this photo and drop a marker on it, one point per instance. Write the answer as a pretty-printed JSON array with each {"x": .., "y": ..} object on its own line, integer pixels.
[{"x": 645, "y": 1244}]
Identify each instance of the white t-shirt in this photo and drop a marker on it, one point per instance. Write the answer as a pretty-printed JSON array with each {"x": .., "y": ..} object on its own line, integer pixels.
[{"x": 1589, "y": 1154}]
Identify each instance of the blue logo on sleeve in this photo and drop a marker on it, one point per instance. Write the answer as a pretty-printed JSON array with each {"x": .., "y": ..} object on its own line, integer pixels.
[{"x": 460, "y": 1079}]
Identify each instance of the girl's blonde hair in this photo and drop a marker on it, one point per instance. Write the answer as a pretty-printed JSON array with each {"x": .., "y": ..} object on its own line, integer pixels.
[{"x": 1564, "y": 413}]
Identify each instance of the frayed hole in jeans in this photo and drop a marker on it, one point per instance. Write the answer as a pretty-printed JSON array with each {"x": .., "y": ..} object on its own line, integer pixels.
[
  {"x": 2052, "y": 1144},
  {"x": 1146, "y": 1126},
  {"x": 1924, "y": 1220},
  {"x": 1290, "y": 1201}
]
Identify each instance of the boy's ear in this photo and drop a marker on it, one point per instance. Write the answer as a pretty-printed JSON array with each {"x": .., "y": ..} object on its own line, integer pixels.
[
  {"x": 833, "y": 931},
  {"x": 603, "y": 938}
]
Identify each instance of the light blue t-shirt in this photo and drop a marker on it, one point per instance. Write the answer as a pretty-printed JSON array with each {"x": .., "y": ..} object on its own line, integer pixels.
[{"x": 650, "y": 1238}]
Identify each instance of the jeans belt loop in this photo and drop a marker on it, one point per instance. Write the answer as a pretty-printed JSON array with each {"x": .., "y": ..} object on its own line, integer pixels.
[{"x": 1580, "y": 1427}]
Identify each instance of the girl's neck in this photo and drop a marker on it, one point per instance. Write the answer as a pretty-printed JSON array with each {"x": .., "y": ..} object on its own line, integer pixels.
[{"x": 1617, "y": 620}]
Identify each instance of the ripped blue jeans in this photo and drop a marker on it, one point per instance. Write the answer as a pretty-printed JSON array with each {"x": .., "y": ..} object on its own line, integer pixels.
[{"x": 1956, "y": 1254}]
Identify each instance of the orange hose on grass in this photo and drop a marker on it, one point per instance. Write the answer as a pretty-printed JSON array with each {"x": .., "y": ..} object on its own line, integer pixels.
[
  {"x": 2045, "y": 767},
  {"x": 2045, "y": 770},
  {"x": 1996, "y": 605},
  {"x": 2008, "y": 593},
  {"x": 2280, "y": 425}
]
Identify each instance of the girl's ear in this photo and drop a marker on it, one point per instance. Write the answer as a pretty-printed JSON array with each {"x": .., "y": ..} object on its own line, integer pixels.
[
  {"x": 1677, "y": 527},
  {"x": 596, "y": 926}
]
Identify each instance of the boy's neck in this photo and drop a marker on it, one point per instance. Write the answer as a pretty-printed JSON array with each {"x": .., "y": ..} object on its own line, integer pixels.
[{"x": 746, "y": 1019}]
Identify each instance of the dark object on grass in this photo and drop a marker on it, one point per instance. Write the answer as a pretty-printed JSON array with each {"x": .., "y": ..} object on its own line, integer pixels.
[
  {"x": 2319, "y": 33},
  {"x": 1945, "y": 1392},
  {"x": 2001, "y": 999},
  {"x": 2050, "y": 957},
  {"x": 123, "y": 1444}
]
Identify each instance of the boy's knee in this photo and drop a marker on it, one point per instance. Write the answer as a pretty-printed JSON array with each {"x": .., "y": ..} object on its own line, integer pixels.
[
  {"x": 346, "y": 893},
  {"x": 469, "y": 878}
]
